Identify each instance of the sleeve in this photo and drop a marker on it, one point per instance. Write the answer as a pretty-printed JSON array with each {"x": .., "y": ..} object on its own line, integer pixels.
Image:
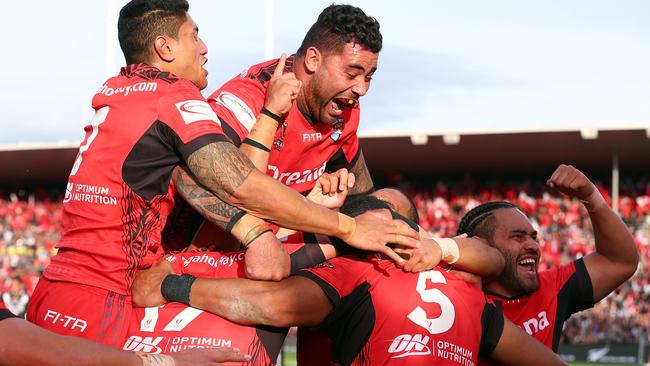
[
  {"x": 492, "y": 324},
  {"x": 338, "y": 277},
  {"x": 575, "y": 290},
  {"x": 192, "y": 121},
  {"x": 237, "y": 104}
]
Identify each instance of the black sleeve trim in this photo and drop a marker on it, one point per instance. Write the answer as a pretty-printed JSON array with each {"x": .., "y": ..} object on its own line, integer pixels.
[
  {"x": 230, "y": 132},
  {"x": 576, "y": 295},
  {"x": 328, "y": 289},
  {"x": 189, "y": 148},
  {"x": 338, "y": 161},
  {"x": 306, "y": 257},
  {"x": 492, "y": 323},
  {"x": 6, "y": 314}
]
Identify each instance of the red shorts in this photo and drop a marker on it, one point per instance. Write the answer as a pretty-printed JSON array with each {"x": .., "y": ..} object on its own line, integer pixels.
[{"x": 80, "y": 310}]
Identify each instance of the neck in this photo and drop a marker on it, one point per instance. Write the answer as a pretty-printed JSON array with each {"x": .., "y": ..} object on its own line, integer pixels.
[{"x": 495, "y": 288}]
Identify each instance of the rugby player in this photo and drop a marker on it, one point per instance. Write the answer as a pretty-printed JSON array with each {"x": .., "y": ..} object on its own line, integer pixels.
[{"x": 540, "y": 302}]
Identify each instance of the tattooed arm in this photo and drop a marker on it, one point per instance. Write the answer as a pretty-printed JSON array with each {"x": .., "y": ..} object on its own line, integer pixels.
[
  {"x": 223, "y": 170},
  {"x": 363, "y": 181}
]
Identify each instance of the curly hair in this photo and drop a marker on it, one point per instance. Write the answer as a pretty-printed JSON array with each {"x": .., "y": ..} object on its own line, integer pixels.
[
  {"x": 141, "y": 21},
  {"x": 340, "y": 24}
]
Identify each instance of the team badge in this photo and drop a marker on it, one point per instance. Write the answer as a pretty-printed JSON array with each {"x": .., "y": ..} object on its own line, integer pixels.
[{"x": 338, "y": 129}]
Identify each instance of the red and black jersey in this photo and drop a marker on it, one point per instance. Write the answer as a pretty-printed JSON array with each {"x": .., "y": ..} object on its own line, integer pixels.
[
  {"x": 304, "y": 149},
  {"x": 384, "y": 315},
  {"x": 562, "y": 292},
  {"x": 4, "y": 313},
  {"x": 175, "y": 327},
  {"x": 118, "y": 196}
]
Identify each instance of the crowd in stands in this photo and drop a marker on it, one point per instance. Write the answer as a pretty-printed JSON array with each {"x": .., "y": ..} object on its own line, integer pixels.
[{"x": 30, "y": 225}]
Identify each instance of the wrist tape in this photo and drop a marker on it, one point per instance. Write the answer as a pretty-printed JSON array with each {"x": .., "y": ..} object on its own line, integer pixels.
[{"x": 176, "y": 288}]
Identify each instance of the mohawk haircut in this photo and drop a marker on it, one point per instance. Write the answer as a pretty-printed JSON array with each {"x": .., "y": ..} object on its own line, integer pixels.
[
  {"x": 141, "y": 21},
  {"x": 480, "y": 220},
  {"x": 340, "y": 24}
]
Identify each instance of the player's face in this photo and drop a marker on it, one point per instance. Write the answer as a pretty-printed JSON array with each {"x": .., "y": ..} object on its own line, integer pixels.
[
  {"x": 189, "y": 55},
  {"x": 341, "y": 78},
  {"x": 516, "y": 239}
]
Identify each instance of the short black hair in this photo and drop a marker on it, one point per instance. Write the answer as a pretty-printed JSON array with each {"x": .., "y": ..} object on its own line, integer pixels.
[
  {"x": 359, "y": 204},
  {"x": 340, "y": 24},
  {"x": 141, "y": 21},
  {"x": 480, "y": 220}
]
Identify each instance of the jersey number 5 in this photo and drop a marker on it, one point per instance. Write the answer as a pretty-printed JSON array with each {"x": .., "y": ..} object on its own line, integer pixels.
[
  {"x": 98, "y": 119},
  {"x": 418, "y": 316}
]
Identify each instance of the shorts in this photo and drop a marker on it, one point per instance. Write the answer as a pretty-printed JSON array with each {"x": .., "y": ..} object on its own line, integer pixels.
[{"x": 82, "y": 311}]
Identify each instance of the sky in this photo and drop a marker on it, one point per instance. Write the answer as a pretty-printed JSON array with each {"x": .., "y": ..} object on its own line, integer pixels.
[{"x": 447, "y": 67}]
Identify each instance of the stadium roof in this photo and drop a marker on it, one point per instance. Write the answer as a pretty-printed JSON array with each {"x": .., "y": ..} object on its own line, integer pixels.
[{"x": 435, "y": 156}]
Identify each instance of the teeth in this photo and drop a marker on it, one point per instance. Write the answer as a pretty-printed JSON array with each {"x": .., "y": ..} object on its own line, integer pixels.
[{"x": 527, "y": 261}]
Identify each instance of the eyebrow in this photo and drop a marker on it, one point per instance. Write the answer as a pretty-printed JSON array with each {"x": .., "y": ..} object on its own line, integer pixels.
[
  {"x": 524, "y": 232},
  {"x": 361, "y": 68}
]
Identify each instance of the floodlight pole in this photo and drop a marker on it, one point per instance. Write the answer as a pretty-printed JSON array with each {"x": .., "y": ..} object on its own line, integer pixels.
[{"x": 615, "y": 181}]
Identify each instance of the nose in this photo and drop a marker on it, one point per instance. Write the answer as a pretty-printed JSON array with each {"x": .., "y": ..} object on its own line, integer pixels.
[
  {"x": 202, "y": 47},
  {"x": 531, "y": 244},
  {"x": 360, "y": 88}
]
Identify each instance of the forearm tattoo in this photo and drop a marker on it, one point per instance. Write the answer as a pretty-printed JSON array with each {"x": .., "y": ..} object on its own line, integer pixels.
[
  {"x": 202, "y": 200},
  {"x": 221, "y": 167}
]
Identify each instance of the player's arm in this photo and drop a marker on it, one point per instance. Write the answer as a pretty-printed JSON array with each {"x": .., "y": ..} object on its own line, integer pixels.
[
  {"x": 616, "y": 258},
  {"x": 515, "y": 347},
  {"x": 22, "y": 343},
  {"x": 363, "y": 180},
  {"x": 293, "y": 301},
  {"x": 281, "y": 92}
]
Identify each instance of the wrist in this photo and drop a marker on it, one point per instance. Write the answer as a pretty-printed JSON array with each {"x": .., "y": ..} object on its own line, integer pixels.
[
  {"x": 269, "y": 114},
  {"x": 177, "y": 288},
  {"x": 346, "y": 227},
  {"x": 449, "y": 250},
  {"x": 594, "y": 202},
  {"x": 156, "y": 359},
  {"x": 255, "y": 232}
]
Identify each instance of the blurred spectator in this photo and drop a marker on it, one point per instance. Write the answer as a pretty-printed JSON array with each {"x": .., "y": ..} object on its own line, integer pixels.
[{"x": 16, "y": 298}]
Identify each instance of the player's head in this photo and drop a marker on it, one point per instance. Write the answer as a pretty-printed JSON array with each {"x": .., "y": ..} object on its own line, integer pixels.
[
  {"x": 360, "y": 204},
  {"x": 507, "y": 229},
  {"x": 338, "y": 56},
  {"x": 161, "y": 33},
  {"x": 398, "y": 201}
]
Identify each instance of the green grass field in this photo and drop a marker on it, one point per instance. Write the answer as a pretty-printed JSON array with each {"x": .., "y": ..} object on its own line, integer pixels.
[{"x": 592, "y": 364}]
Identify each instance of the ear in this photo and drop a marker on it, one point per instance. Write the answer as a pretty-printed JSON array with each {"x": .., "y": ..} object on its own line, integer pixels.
[
  {"x": 164, "y": 48},
  {"x": 313, "y": 59}
]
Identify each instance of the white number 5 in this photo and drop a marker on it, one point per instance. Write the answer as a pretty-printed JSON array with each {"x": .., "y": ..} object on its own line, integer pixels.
[
  {"x": 98, "y": 119},
  {"x": 418, "y": 316}
]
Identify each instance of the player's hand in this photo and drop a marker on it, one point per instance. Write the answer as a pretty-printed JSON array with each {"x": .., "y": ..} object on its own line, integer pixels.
[
  {"x": 571, "y": 182},
  {"x": 283, "y": 89},
  {"x": 423, "y": 258},
  {"x": 267, "y": 259},
  {"x": 208, "y": 356},
  {"x": 374, "y": 233},
  {"x": 331, "y": 189},
  {"x": 146, "y": 286}
]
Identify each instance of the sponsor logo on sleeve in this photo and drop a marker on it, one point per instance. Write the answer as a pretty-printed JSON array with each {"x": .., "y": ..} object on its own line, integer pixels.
[
  {"x": 241, "y": 110},
  {"x": 196, "y": 110}
]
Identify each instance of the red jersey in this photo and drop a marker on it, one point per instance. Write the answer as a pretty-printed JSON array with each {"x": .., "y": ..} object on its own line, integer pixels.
[
  {"x": 562, "y": 292},
  {"x": 118, "y": 194},
  {"x": 384, "y": 315},
  {"x": 175, "y": 327},
  {"x": 305, "y": 148}
]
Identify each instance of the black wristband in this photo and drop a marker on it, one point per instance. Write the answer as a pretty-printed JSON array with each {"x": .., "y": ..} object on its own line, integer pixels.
[
  {"x": 256, "y": 144},
  {"x": 270, "y": 114},
  {"x": 234, "y": 220},
  {"x": 177, "y": 288}
]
